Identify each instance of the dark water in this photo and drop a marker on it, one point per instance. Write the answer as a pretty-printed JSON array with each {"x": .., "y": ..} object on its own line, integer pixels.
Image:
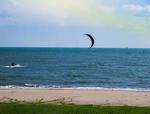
[{"x": 75, "y": 67}]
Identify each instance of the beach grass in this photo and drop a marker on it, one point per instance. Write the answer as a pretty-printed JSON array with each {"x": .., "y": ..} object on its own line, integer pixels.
[{"x": 61, "y": 108}]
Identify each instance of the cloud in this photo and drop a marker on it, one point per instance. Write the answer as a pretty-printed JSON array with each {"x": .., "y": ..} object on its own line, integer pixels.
[
  {"x": 54, "y": 11},
  {"x": 72, "y": 13},
  {"x": 136, "y": 8}
]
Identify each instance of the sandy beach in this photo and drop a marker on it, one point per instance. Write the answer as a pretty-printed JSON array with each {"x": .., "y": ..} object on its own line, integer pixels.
[{"x": 97, "y": 97}]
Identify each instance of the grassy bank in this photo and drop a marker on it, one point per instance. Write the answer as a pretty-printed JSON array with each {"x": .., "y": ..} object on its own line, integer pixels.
[{"x": 42, "y": 108}]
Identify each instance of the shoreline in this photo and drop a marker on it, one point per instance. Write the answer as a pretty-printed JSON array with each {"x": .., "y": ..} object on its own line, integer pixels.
[
  {"x": 33, "y": 86},
  {"x": 79, "y": 96}
]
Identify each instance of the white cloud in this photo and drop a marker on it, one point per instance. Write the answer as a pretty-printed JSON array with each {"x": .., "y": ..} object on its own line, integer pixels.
[
  {"x": 105, "y": 8},
  {"x": 72, "y": 12},
  {"x": 58, "y": 11},
  {"x": 138, "y": 8}
]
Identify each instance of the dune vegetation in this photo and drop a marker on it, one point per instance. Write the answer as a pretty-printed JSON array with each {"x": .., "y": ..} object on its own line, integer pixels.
[{"x": 62, "y": 108}]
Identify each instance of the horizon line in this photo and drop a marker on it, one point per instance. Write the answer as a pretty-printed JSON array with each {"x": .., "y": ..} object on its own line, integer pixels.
[{"x": 74, "y": 47}]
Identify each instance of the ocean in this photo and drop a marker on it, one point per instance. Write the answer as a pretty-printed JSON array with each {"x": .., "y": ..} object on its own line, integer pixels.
[{"x": 80, "y": 68}]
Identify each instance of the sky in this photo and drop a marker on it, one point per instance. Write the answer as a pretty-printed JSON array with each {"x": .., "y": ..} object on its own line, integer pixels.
[{"x": 63, "y": 23}]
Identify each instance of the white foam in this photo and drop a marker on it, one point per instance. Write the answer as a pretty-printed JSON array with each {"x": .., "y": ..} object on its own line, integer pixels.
[
  {"x": 117, "y": 89},
  {"x": 35, "y": 86},
  {"x": 15, "y": 66},
  {"x": 31, "y": 85}
]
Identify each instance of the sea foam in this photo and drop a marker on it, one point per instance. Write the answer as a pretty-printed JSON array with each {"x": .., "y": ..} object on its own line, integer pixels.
[
  {"x": 35, "y": 86},
  {"x": 15, "y": 66}
]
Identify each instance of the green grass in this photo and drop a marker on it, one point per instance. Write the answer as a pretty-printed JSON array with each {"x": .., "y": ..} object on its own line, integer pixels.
[{"x": 51, "y": 108}]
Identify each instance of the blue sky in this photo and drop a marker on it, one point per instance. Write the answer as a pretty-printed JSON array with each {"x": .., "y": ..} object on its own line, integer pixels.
[{"x": 62, "y": 23}]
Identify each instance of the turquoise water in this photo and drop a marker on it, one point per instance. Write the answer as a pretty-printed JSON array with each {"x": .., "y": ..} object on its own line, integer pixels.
[{"x": 75, "y": 68}]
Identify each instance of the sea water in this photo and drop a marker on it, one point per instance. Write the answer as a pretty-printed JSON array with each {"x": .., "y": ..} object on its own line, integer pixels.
[{"x": 81, "y": 68}]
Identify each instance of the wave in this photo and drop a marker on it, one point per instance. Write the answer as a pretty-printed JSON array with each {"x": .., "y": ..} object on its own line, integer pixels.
[
  {"x": 15, "y": 66},
  {"x": 36, "y": 86}
]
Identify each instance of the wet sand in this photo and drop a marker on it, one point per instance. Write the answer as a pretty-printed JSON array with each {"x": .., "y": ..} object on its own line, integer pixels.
[{"x": 96, "y": 97}]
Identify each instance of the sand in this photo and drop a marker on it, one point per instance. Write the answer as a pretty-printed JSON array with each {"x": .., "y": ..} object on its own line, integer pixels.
[{"x": 96, "y": 97}]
